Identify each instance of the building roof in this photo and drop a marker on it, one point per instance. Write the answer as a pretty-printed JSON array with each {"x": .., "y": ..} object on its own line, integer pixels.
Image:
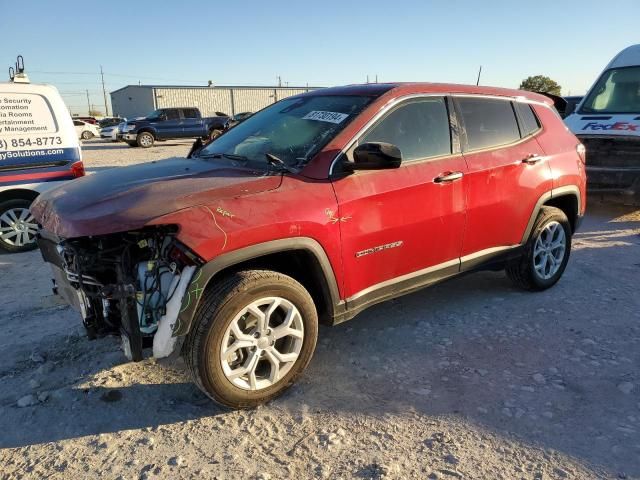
[{"x": 253, "y": 87}]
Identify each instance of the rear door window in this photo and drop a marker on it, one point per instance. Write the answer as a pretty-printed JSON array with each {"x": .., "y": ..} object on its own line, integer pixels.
[
  {"x": 190, "y": 113},
  {"x": 172, "y": 115},
  {"x": 528, "y": 121},
  {"x": 420, "y": 129},
  {"x": 488, "y": 122}
]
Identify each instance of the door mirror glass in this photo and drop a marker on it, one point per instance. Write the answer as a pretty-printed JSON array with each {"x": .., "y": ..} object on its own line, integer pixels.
[{"x": 375, "y": 156}]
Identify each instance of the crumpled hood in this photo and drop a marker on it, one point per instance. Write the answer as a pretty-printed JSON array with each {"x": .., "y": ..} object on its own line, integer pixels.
[{"x": 127, "y": 198}]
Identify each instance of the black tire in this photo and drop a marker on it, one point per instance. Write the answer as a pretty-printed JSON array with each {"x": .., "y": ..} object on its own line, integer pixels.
[
  {"x": 218, "y": 307},
  {"x": 522, "y": 271},
  {"x": 87, "y": 135},
  {"x": 145, "y": 139},
  {"x": 9, "y": 244},
  {"x": 132, "y": 144}
]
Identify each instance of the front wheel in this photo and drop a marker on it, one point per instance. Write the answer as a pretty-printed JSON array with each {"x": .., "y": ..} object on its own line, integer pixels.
[
  {"x": 254, "y": 333},
  {"x": 545, "y": 254},
  {"x": 18, "y": 228},
  {"x": 87, "y": 135},
  {"x": 145, "y": 140}
]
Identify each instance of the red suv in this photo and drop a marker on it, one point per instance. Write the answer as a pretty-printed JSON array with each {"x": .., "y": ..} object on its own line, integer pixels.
[{"x": 313, "y": 209}]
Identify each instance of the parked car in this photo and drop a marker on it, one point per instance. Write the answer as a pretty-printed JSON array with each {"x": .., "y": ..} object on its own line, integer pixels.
[
  {"x": 91, "y": 120},
  {"x": 572, "y": 102},
  {"x": 167, "y": 123},
  {"x": 86, "y": 131},
  {"x": 240, "y": 117},
  {"x": 111, "y": 122},
  {"x": 314, "y": 209},
  {"x": 38, "y": 151},
  {"x": 111, "y": 132},
  {"x": 607, "y": 122}
]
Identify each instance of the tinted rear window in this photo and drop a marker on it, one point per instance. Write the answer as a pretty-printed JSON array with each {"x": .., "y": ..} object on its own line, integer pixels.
[
  {"x": 529, "y": 123},
  {"x": 488, "y": 122},
  {"x": 190, "y": 113}
]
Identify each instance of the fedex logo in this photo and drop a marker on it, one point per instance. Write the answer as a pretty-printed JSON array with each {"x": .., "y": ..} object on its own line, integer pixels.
[{"x": 630, "y": 127}]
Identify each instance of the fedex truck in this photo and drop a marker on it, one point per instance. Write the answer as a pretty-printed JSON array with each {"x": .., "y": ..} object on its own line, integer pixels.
[{"x": 607, "y": 122}]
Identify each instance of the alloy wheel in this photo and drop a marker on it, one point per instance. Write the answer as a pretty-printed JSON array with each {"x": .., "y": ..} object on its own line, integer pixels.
[
  {"x": 549, "y": 250},
  {"x": 262, "y": 343},
  {"x": 18, "y": 227}
]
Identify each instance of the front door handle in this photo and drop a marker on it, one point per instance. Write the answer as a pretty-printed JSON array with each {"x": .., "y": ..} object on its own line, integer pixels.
[
  {"x": 532, "y": 159},
  {"x": 448, "y": 177}
]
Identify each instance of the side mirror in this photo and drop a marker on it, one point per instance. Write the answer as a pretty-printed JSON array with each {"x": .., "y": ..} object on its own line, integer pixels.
[{"x": 375, "y": 156}]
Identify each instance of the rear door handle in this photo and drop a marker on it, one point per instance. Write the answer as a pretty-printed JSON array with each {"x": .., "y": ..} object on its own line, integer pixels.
[
  {"x": 532, "y": 159},
  {"x": 448, "y": 177}
]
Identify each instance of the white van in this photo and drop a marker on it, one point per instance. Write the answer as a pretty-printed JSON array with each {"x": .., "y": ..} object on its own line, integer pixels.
[
  {"x": 607, "y": 122},
  {"x": 39, "y": 149}
]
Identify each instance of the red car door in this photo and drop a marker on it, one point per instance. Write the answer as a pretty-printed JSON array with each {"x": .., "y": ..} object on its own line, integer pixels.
[
  {"x": 402, "y": 226},
  {"x": 507, "y": 173}
]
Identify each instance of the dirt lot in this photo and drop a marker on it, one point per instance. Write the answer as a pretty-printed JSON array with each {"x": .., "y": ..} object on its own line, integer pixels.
[{"x": 469, "y": 379}]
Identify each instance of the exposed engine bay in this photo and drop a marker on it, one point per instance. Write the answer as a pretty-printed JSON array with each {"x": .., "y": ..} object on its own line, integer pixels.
[{"x": 129, "y": 283}]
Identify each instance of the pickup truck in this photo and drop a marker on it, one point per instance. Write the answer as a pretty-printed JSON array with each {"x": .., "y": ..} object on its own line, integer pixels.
[{"x": 167, "y": 123}]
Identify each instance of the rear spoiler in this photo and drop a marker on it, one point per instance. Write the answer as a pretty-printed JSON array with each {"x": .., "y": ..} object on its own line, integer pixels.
[{"x": 559, "y": 103}]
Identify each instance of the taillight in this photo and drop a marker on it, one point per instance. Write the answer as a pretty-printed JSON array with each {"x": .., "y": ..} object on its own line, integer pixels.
[
  {"x": 582, "y": 153},
  {"x": 77, "y": 169}
]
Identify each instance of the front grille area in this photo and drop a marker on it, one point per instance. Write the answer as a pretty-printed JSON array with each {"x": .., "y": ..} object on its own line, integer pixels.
[{"x": 612, "y": 162}]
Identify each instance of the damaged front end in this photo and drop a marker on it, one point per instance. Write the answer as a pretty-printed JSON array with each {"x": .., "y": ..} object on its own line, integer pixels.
[{"x": 129, "y": 283}]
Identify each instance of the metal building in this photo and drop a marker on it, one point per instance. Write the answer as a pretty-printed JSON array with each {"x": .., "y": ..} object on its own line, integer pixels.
[{"x": 139, "y": 100}]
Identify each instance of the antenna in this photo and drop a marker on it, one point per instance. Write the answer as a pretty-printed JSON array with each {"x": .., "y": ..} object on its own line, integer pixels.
[
  {"x": 479, "y": 73},
  {"x": 17, "y": 74}
]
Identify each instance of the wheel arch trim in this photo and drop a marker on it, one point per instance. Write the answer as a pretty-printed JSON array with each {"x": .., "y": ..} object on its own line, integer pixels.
[
  {"x": 206, "y": 272},
  {"x": 567, "y": 190}
]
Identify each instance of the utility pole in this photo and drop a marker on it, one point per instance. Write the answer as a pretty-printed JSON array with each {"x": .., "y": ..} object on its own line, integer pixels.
[
  {"x": 376, "y": 78},
  {"x": 479, "y": 72},
  {"x": 279, "y": 80},
  {"x": 88, "y": 104},
  {"x": 367, "y": 78},
  {"x": 104, "y": 93}
]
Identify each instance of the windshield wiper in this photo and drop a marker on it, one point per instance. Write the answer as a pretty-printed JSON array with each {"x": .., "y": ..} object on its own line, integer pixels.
[
  {"x": 230, "y": 156},
  {"x": 279, "y": 164}
]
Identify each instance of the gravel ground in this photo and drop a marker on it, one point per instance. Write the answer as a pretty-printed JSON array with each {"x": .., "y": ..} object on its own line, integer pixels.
[{"x": 468, "y": 379}]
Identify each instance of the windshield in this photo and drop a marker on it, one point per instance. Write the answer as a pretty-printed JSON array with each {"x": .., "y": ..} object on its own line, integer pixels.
[
  {"x": 155, "y": 115},
  {"x": 617, "y": 91},
  {"x": 293, "y": 130}
]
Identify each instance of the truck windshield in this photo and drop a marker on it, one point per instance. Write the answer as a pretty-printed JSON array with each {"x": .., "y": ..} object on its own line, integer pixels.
[
  {"x": 293, "y": 130},
  {"x": 155, "y": 115},
  {"x": 617, "y": 91}
]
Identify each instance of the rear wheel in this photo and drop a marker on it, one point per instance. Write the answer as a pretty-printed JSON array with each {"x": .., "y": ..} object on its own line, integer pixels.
[
  {"x": 253, "y": 335},
  {"x": 546, "y": 253},
  {"x": 87, "y": 135},
  {"x": 145, "y": 140},
  {"x": 18, "y": 228}
]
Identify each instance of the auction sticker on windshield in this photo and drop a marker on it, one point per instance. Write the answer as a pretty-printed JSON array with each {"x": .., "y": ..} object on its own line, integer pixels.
[{"x": 320, "y": 116}]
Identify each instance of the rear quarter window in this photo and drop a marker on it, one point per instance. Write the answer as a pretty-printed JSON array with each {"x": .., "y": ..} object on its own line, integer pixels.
[
  {"x": 488, "y": 122},
  {"x": 529, "y": 123},
  {"x": 25, "y": 113}
]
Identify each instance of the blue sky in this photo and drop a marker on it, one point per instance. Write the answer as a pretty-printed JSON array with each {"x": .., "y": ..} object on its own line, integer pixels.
[{"x": 325, "y": 42}]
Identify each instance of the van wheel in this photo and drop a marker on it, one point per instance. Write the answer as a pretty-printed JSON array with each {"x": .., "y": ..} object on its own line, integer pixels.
[
  {"x": 253, "y": 334},
  {"x": 546, "y": 253},
  {"x": 87, "y": 135},
  {"x": 18, "y": 228},
  {"x": 145, "y": 140}
]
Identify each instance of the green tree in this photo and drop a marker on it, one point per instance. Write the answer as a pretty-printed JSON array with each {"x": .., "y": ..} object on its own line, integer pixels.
[{"x": 540, "y": 83}]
